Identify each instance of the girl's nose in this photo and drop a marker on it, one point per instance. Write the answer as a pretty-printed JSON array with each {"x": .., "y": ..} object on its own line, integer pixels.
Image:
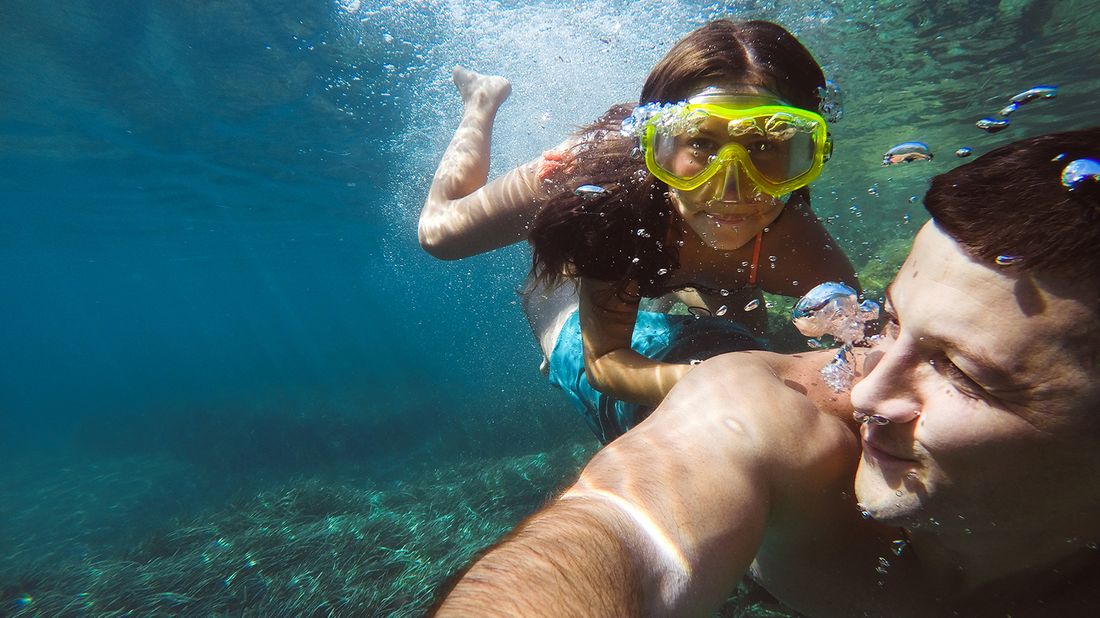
[{"x": 728, "y": 187}]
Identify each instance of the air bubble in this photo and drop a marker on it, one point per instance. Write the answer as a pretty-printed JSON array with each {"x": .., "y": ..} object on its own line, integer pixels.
[
  {"x": 992, "y": 125},
  {"x": 907, "y": 152},
  {"x": 752, "y": 304},
  {"x": 863, "y": 511},
  {"x": 873, "y": 190},
  {"x": 589, "y": 191},
  {"x": 898, "y": 546},
  {"x": 724, "y": 292},
  {"x": 722, "y": 310},
  {"x": 963, "y": 152},
  {"x": 662, "y": 271},
  {"x": 1079, "y": 172},
  {"x": 1008, "y": 260},
  {"x": 1032, "y": 94}
]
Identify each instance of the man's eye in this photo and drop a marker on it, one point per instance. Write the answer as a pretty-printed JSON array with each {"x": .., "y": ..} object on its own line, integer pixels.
[
  {"x": 890, "y": 325},
  {"x": 958, "y": 377}
]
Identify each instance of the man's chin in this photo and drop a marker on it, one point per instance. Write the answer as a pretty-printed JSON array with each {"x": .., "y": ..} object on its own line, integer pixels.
[{"x": 880, "y": 501}]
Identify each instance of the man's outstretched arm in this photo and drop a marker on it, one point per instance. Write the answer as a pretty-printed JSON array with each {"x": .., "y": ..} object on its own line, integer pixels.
[
  {"x": 567, "y": 560},
  {"x": 664, "y": 521}
]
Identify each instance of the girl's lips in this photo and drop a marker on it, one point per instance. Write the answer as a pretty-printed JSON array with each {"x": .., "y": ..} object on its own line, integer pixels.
[{"x": 727, "y": 219}]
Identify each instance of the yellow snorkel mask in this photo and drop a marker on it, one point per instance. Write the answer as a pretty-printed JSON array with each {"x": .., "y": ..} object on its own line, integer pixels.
[{"x": 780, "y": 147}]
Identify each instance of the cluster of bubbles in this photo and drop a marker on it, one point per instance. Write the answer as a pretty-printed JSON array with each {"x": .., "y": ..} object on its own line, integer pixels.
[
  {"x": 678, "y": 118},
  {"x": 834, "y": 309},
  {"x": 993, "y": 125},
  {"x": 832, "y": 101},
  {"x": 670, "y": 118},
  {"x": 908, "y": 152}
]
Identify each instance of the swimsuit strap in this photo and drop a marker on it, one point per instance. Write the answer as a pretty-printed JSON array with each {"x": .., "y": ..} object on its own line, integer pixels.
[{"x": 756, "y": 257}]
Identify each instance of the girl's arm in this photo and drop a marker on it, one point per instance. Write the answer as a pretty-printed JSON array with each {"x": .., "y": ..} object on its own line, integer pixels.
[
  {"x": 607, "y": 325},
  {"x": 463, "y": 216}
]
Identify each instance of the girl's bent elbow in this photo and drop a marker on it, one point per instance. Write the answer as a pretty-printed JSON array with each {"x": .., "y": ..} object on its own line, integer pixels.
[
  {"x": 437, "y": 245},
  {"x": 597, "y": 376}
]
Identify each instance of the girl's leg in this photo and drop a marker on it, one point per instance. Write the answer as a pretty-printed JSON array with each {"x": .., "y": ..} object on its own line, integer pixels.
[{"x": 462, "y": 215}]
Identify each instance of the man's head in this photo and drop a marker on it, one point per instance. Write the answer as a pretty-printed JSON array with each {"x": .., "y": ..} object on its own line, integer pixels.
[
  {"x": 989, "y": 373},
  {"x": 1011, "y": 203}
]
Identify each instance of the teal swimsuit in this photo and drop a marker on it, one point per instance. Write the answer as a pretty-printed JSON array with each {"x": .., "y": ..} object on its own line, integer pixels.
[{"x": 660, "y": 336}]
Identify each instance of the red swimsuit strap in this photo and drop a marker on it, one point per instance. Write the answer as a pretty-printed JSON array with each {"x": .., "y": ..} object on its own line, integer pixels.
[{"x": 756, "y": 257}]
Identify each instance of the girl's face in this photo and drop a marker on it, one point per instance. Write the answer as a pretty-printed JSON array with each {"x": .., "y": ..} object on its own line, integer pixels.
[{"x": 728, "y": 210}]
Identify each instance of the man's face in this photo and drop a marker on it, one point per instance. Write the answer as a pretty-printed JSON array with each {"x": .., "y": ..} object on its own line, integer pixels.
[{"x": 990, "y": 389}]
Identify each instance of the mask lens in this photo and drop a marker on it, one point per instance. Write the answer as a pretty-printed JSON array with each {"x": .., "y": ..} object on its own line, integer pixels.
[
  {"x": 780, "y": 160},
  {"x": 686, "y": 155}
]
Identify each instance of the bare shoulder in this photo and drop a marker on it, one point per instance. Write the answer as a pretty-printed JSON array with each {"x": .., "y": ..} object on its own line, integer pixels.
[
  {"x": 767, "y": 401},
  {"x": 800, "y": 373}
]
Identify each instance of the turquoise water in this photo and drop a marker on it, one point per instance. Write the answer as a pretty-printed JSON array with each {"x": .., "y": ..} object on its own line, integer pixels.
[{"x": 230, "y": 380}]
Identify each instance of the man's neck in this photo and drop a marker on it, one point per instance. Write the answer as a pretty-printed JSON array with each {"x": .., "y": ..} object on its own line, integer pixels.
[{"x": 962, "y": 565}]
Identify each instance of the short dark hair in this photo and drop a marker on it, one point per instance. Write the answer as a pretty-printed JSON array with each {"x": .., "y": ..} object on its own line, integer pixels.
[{"x": 1011, "y": 202}]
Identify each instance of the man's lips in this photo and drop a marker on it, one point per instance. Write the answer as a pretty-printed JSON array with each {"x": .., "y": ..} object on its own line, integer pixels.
[{"x": 882, "y": 451}]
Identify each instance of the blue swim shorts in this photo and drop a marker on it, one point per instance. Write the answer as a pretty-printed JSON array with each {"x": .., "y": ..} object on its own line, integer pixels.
[{"x": 660, "y": 336}]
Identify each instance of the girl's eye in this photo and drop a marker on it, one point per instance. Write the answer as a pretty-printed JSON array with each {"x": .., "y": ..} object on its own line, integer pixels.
[{"x": 702, "y": 145}]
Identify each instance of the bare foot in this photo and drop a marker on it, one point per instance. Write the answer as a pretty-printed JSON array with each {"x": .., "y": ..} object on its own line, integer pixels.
[{"x": 478, "y": 89}]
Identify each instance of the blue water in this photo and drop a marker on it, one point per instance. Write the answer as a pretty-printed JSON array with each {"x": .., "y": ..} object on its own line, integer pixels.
[{"x": 211, "y": 282}]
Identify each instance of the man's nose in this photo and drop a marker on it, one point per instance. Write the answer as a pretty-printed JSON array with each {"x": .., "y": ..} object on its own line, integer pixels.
[{"x": 889, "y": 390}]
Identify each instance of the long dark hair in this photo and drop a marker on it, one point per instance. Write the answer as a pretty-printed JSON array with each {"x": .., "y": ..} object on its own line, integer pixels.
[{"x": 625, "y": 234}]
